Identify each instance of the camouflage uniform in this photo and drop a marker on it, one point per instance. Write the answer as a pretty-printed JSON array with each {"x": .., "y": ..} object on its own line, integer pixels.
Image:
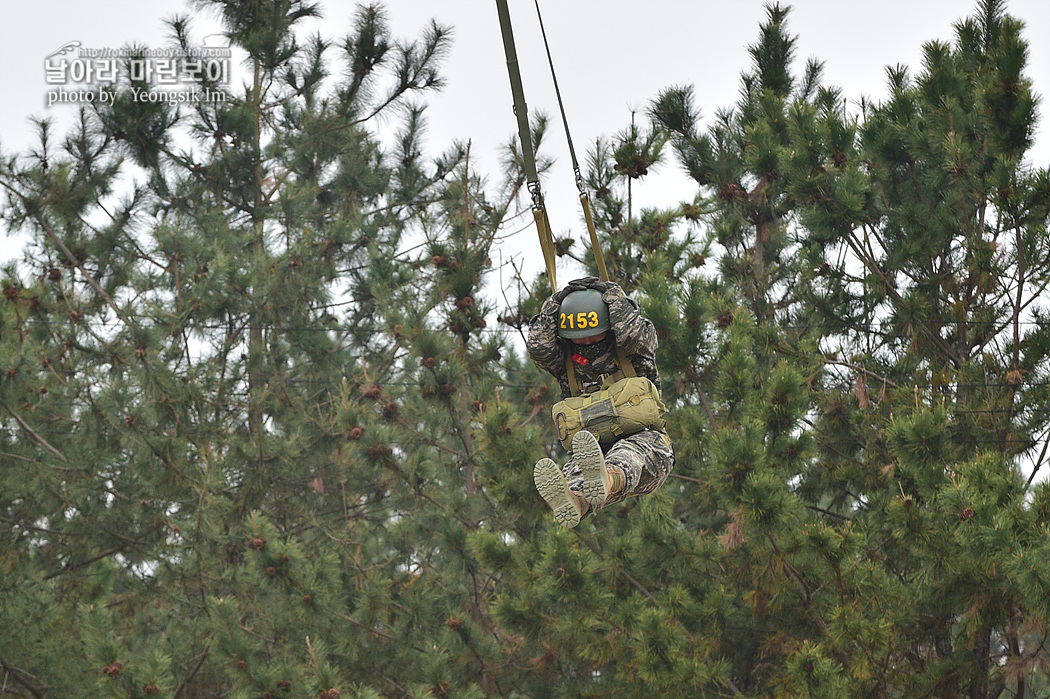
[{"x": 646, "y": 458}]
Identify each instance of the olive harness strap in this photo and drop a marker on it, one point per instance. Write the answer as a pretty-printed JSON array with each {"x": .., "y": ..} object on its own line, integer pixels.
[
  {"x": 528, "y": 155},
  {"x": 622, "y": 360}
]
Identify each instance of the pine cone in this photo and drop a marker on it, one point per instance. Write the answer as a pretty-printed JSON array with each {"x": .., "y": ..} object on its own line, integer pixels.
[{"x": 379, "y": 451}]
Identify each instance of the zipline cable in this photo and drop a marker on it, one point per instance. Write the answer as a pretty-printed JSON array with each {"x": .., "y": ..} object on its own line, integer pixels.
[
  {"x": 528, "y": 155},
  {"x": 585, "y": 200}
]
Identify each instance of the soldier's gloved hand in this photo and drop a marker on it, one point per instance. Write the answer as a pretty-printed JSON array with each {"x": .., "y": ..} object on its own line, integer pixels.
[
  {"x": 612, "y": 292},
  {"x": 575, "y": 285},
  {"x": 550, "y": 306},
  {"x": 581, "y": 285},
  {"x": 599, "y": 285}
]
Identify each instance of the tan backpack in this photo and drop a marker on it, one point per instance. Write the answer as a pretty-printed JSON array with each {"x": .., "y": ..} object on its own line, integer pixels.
[{"x": 622, "y": 407}]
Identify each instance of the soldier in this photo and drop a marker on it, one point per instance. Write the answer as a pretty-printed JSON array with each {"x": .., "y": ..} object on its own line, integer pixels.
[{"x": 582, "y": 336}]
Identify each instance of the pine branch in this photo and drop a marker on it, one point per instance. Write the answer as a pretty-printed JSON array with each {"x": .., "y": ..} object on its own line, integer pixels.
[
  {"x": 19, "y": 676},
  {"x": 637, "y": 585},
  {"x": 73, "y": 259},
  {"x": 33, "y": 433},
  {"x": 857, "y": 367},
  {"x": 1038, "y": 463},
  {"x": 77, "y": 566},
  {"x": 370, "y": 629},
  {"x": 806, "y": 597},
  {"x": 707, "y": 405},
  {"x": 829, "y": 513},
  {"x": 196, "y": 668},
  {"x": 872, "y": 264},
  {"x": 690, "y": 479}
]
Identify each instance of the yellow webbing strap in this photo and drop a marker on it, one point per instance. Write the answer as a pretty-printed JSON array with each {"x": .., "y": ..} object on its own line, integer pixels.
[
  {"x": 543, "y": 228},
  {"x": 599, "y": 259}
]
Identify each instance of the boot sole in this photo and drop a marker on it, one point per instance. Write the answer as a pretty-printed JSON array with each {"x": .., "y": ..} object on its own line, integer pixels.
[
  {"x": 588, "y": 455},
  {"x": 552, "y": 487}
]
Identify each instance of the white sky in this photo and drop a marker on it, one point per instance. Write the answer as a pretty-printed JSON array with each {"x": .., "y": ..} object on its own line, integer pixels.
[{"x": 612, "y": 56}]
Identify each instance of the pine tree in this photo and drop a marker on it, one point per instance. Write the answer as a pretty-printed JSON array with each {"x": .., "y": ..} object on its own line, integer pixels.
[
  {"x": 753, "y": 373},
  {"x": 903, "y": 371},
  {"x": 222, "y": 460},
  {"x": 930, "y": 253}
]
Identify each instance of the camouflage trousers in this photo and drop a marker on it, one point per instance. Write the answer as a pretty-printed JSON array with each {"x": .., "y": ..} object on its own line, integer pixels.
[{"x": 646, "y": 459}]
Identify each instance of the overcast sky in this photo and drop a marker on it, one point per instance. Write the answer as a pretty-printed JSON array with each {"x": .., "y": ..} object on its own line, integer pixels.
[{"x": 612, "y": 57}]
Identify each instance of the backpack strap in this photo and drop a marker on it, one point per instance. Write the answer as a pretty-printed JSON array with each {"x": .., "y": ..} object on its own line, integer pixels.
[
  {"x": 570, "y": 373},
  {"x": 625, "y": 371},
  {"x": 626, "y": 367}
]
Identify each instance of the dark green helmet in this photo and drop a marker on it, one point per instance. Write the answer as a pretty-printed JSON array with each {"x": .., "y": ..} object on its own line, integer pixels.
[{"x": 583, "y": 314}]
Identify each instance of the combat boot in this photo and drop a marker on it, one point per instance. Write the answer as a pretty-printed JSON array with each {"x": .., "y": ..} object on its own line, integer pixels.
[
  {"x": 569, "y": 507},
  {"x": 600, "y": 482}
]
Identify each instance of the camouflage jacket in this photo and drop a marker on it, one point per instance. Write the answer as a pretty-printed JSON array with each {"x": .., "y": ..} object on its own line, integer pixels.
[{"x": 630, "y": 330}]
